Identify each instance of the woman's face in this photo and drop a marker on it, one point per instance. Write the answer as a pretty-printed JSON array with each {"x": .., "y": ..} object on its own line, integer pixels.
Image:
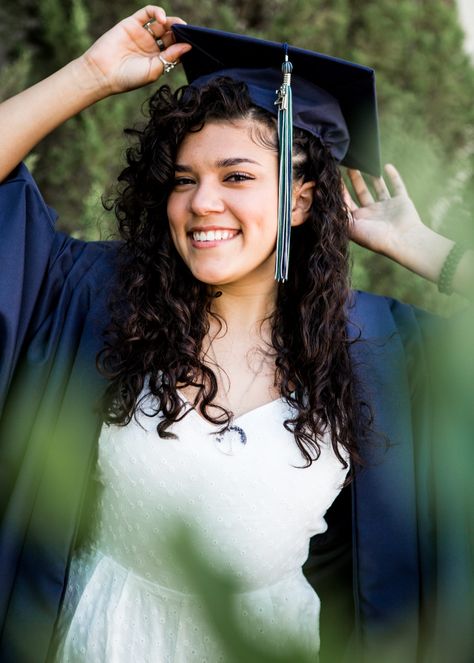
[{"x": 223, "y": 207}]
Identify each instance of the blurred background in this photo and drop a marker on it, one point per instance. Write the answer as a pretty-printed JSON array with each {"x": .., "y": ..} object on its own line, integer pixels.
[{"x": 423, "y": 54}]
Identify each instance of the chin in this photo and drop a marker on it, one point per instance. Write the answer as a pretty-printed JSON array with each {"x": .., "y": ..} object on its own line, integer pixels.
[
  {"x": 221, "y": 275},
  {"x": 213, "y": 276}
]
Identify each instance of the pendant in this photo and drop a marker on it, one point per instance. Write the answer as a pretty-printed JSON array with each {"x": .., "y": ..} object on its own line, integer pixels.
[{"x": 226, "y": 438}]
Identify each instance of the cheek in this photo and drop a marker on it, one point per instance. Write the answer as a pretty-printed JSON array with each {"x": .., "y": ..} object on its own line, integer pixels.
[
  {"x": 176, "y": 217},
  {"x": 267, "y": 218},
  {"x": 171, "y": 209}
]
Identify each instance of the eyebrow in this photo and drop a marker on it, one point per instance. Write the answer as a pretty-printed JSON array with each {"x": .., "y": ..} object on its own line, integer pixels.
[{"x": 221, "y": 163}]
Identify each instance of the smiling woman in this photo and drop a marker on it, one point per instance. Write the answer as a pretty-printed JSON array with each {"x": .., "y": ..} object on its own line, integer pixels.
[
  {"x": 221, "y": 190},
  {"x": 229, "y": 197},
  {"x": 170, "y": 377},
  {"x": 218, "y": 170}
]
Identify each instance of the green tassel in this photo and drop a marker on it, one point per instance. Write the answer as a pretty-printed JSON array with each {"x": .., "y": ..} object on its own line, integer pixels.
[{"x": 284, "y": 102}]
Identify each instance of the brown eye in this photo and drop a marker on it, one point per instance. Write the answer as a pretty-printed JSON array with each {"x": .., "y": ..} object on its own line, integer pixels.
[
  {"x": 182, "y": 181},
  {"x": 238, "y": 177}
]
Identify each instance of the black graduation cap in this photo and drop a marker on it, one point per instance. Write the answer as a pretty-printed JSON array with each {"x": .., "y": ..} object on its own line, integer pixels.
[
  {"x": 351, "y": 85},
  {"x": 331, "y": 98}
]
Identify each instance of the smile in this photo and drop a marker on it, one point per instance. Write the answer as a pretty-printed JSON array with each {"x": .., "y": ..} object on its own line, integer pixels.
[{"x": 214, "y": 235}]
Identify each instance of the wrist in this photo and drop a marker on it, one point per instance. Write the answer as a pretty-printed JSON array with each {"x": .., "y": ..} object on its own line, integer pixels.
[
  {"x": 422, "y": 250},
  {"x": 90, "y": 82}
]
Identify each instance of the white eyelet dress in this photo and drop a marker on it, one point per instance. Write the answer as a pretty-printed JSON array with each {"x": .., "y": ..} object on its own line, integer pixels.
[{"x": 252, "y": 512}]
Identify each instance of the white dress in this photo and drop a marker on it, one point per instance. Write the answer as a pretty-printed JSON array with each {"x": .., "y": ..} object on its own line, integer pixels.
[{"x": 252, "y": 513}]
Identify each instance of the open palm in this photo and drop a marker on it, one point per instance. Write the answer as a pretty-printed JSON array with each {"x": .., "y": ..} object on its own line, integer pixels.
[{"x": 383, "y": 224}]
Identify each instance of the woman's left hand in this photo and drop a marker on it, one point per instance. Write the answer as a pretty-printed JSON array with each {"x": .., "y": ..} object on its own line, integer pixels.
[
  {"x": 386, "y": 224},
  {"x": 392, "y": 226}
]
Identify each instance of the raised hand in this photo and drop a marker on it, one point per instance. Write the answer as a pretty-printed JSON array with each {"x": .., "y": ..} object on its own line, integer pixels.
[
  {"x": 127, "y": 56},
  {"x": 386, "y": 224},
  {"x": 124, "y": 58},
  {"x": 392, "y": 226}
]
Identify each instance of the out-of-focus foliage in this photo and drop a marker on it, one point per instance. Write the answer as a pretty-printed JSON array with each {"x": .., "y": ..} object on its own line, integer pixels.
[{"x": 425, "y": 86}]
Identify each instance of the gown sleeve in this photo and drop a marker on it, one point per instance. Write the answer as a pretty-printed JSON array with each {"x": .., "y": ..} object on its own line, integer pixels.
[
  {"x": 53, "y": 309},
  {"x": 28, "y": 248}
]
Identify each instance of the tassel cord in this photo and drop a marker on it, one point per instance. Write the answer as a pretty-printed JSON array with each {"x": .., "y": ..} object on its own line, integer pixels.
[{"x": 285, "y": 140}]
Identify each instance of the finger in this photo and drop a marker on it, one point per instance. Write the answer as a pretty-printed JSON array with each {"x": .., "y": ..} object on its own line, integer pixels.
[
  {"x": 348, "y": 198},
  {"x": 152, "y": 27},
  {"x": 171, "y": 20},
  {"x": 165, "y": 24},
  {"x": 171, "y": 54},
  {"x": 360, "y": 187},
  {"x": 396, "y": 180},
  {"x": 168, "y": 34},
  {"x": 381, "y": 189},
  {"x": 162, "y": 32},
  {"x": 165, "y": 41},
  {"x": 150, "y": 12}
]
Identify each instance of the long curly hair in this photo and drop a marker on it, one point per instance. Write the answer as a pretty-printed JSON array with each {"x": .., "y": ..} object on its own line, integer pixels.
[{"x": 160, "y": 314}]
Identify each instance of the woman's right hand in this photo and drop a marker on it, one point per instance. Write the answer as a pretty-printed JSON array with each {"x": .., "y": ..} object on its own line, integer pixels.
[
  {"x": 127, "y": 57},
  {"x": 124, "y": 58}
]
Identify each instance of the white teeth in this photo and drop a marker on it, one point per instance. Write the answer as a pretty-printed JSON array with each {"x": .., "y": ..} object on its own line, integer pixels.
[{"x": 212, "y": 235}]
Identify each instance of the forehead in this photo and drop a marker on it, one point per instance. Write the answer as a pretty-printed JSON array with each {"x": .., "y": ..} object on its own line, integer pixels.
[{"x": 221, "y": 139}]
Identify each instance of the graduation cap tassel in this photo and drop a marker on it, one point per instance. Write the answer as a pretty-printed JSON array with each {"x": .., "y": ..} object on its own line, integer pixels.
[{"x": 284, "y": 102}]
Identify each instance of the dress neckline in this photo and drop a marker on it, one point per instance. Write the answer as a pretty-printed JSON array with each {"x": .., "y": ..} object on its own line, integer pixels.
[{"x": 235, "y": 419}]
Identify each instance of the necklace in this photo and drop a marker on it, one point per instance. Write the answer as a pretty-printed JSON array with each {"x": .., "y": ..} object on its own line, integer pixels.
[{"x": 233, "y": 432}]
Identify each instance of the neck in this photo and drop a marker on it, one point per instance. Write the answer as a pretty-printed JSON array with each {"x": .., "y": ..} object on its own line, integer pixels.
[{"x": 243, "y": 307}]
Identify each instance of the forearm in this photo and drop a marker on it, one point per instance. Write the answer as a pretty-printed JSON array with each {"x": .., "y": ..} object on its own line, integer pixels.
[
  {"x": 424, "y": 252},
  {"x": 31, "y": 115}
]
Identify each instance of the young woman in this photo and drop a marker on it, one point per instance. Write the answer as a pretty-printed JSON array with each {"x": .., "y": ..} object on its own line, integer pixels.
[{"x": 228, "y": 401}]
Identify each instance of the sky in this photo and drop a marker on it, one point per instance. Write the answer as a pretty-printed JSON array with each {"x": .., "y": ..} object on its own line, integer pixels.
[{"x": 466, "y": 15}]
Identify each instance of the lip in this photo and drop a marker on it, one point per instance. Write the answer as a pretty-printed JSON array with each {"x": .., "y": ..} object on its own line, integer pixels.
[{"x": 204, "y": 229}]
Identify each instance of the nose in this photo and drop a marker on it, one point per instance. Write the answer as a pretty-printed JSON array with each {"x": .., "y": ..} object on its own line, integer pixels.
[{"x": 206, "y": 199}]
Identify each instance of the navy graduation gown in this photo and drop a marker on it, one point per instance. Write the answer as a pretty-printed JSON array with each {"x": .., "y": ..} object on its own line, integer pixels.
[{"x": 53, "y": 309}]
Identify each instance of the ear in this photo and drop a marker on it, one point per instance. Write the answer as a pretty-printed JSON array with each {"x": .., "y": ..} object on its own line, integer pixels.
[{"x": 303, "y": 195}]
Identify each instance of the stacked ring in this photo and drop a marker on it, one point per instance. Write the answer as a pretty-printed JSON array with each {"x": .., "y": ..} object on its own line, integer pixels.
[
  {"x": 159, "y": 42},
  {"x": 167, "y": 66}
]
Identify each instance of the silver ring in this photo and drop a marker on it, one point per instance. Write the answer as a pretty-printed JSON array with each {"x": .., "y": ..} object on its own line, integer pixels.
[
  {"x": 159, "y": 42},
  {"x": 168, "y": 66},
  {"x": 147, "y": 27}
]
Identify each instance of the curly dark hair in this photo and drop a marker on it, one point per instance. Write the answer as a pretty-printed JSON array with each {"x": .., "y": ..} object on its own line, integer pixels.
[{"x": 160, "y": 313}]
